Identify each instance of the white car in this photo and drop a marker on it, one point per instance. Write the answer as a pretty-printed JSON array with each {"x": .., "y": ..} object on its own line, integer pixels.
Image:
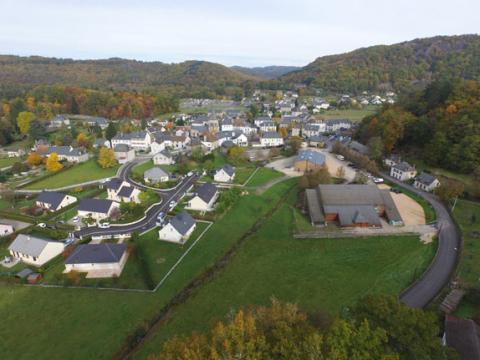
[
  {"x": 42, "y": 225},
  {"x": 75, "y": 219},
  {"x": 172, "y": 204},
  {"x": 340, "y": 157},
  {"x": 190, "y": 173},
  {"x": 378, "y": 180},
  {"x": 104, "y": 225}
]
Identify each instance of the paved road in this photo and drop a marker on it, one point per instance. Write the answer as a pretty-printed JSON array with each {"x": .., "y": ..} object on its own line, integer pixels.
[
  {"x": 420, "y": 293},
  {"x": 149, "y": 221}
]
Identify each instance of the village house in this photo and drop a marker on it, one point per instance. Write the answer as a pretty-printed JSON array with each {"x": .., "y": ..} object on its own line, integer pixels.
[
  {"x": 98, "y": 260},
  {"x": 101, "y": 142},
  {"x": 178, "y": 229},
  {"x": 97, "y": 209},
  {"x": 259, "y": 120},
  {"x": 225, "y": 174},
  {"x": 113, "y": 186},
  {"x": 69, "y": 153},
  {"x": 271, "y": 139},
  {"x": 227, "y": 124},
  {"x": 138, "y": 140},
  {"x": 164, "y": 157},
  {"x": 54, "y": 201},
  {"x": 268, "y": 126},
  {"x": 123, "y": 153},
  {"x": 156, "y": 175},
  {"x": 34, "y": 250},
  {"x": 11, "y": 153},
  {"x": 6, "y": 229},
  {"x": 100, "y": 121},
  {"x": 334, "y": 125},
  {"x": 204, "y": 198},
  {"x": 426, "y": 182},
  {"x": 59, "y": 121},
  {"x": 403, "y": 171}
]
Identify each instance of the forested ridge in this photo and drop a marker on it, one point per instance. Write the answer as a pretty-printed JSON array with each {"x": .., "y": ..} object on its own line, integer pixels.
[
  {"x": 397, "y": 67},
  {"x": 440, "y": 124}
]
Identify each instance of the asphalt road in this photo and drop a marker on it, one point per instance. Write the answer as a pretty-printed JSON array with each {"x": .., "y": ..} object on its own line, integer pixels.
[
  {"x": 149, "y": 221},
  {"x": 438, "y": 274}
]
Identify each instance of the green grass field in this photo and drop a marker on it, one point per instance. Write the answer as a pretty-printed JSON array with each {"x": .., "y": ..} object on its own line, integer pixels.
[
  {"x": 467, "y": 215},
  {"x": 5, "y": 161},
  {"x": 95, "y": 324},
  {"x": 242, "y": 173},
  {"x": 352, "y": 114},
  {"x": 263, "y": 176},
  {"x": 80, "y": 173},
  {"x": 321, "y": 275}
]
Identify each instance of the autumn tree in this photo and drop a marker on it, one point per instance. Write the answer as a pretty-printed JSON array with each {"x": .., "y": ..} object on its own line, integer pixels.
[
  {"x": 111, "y": 131},
  {"x": 34, "y": 159},
  {"x": 295, "y": 144},
  {"x": 236, "y": 154},
  {"x": 106, "y": 158},
  {"x": 82, "y": 140},
  {"x": 53, "y": 164},
  {"x": 449, "y": 189},
  {"x": 24, "y": 119},
  {"x": 283, "y": 131}
]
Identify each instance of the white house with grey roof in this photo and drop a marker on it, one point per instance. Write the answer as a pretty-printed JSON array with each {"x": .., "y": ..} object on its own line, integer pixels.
[
  {"x": 97, "y": 209},
  {"x": 426, "y": 182},
  {"x": 68, "y": 153},
  {"x": 164, "y": 157},
  {"x": 138, "y": 140},
  {"x": 204, "y": 198},
  {"x": 156, "y": 175},
  {"x": 225, "y": 174},
  {"x": 34, "y": 250},
  {"x": 98, "y": 260},
  {"x": 178, "y": 229},
  {"x": 123, "y": 153},
  {"x": 403, "y": 171},
  {"x": 271, "y": 139},
  {"x": 54, "y": 201}
]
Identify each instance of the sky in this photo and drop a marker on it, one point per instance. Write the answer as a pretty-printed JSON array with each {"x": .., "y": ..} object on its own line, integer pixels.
[{"x": 246, "y": 32}]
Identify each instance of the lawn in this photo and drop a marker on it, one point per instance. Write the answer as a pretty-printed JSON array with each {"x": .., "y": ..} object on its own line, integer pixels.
[
  {"x": 467, "y": 215},
  {"x": 95, "y": 324},
  {"x": 263, "y": 176},
  {"x": 6, "y": 161},
  {"x": 77, "y": 174},
  {"x": 352, "y": 114},
  {"x": 242, "y": 173},
  {"x": 321, "y": 275},
  {"x": 138, "y": 170}
]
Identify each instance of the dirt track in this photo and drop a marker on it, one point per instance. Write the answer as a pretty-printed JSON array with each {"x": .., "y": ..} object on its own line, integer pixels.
[{"x": 412, "y": 212}]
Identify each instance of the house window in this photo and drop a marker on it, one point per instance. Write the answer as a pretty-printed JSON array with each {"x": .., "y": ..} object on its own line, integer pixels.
[{"x": 34, "y": 258}]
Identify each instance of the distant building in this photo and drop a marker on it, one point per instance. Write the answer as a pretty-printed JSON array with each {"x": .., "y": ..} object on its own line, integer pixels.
[
  {"x": 156, "y": 175},
  {"x": 138, "y": 140},
  {"x": 69, "y": 153},
  {"x": 271, "y": 139},
  {"x": 164, "y": 157},
  {"x": 97, "y": 209},
  {"x": 123, "y": 153}
]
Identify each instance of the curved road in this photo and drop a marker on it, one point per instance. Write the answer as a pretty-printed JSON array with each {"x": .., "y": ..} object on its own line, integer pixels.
[
  {"x": 149, "y": 221},
  {"x": 438, "y": 274}
]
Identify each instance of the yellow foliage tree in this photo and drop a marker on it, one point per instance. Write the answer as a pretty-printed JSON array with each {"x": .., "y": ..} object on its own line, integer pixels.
[
  {"x": 34, "y": 159},
  {"x": 106, "y": 158},
  {"x": 24, "y": 119},
  {"x": 53, "y": 164},
  {"x": 283, "y": 132},
  {"x": 82, "y": 140}
]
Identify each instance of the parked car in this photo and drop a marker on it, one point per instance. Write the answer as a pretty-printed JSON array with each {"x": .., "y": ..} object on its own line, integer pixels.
[
  {"x": 104, "y": 225},
  {"x": 160, "y": 219},
  {"x": 172, "y": 204},
  {"x": 190, "y": 173},
  {"x": 42, "y": 225},
  {"x": 69, "y": 241},
  {"x": 378, "y": 180},
  {"x": 396, "y": 190},
  {"x": 75, "y": 219},
  {"x": 340, "y": 157}
]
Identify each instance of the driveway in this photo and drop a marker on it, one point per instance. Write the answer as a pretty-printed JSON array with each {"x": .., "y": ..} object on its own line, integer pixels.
[
  {"x": 17, "y": 225},
  {"x": 438, "y": 274}
]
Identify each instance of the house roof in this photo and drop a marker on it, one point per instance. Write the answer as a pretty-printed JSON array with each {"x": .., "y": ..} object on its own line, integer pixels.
[
  {"x": 121, "y": 148},
  {"x": 228, "y": 169},
  {"x": 350, "y": 195},
  {"x": 95, "y": 205},
  {"x": 51, "y": 197},
  {"x": 464, "y": 336},
  {"x": 64, "y": 150},
  {"x": 126, "y": 191},
  {"x": 206, "y": 192},
  {"x": 97, "y": 254},
  {"x": 155, "y": 173},
  {"x": 130, "y": 136},
  {"x": 271, "y": 135},
  {"x": 311, "y": 156},
  {"x": 29, "y": 245},
  {"x": 425, "y": 179},
  {"x": 404, "y": 166},
  {"x": 360, "y": 148},
  {"x": 354, "y": 214},
  {"x": 182, "y": 222},
  {"x": 113, "y": 184},
  {"x": 314, "y": 208}
]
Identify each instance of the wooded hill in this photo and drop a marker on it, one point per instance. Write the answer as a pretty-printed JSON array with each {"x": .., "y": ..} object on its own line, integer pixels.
[
  {"x": 266, "y": 72},
  {"x": 119, "y": 74},
  {"x": 396, "y": 67}
]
